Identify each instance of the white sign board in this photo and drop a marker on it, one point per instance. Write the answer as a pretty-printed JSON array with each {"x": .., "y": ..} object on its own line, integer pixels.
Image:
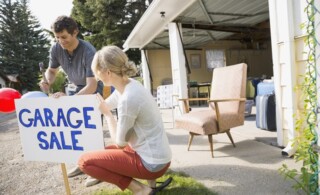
[{"x": 59, "y": 129}]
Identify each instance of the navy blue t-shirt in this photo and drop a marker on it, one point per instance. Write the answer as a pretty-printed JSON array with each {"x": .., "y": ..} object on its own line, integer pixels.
[{"x": 77, "y": 66}]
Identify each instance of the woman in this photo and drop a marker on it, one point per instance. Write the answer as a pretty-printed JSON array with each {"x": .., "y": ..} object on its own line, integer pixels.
[{"x": 141, "y": 148}]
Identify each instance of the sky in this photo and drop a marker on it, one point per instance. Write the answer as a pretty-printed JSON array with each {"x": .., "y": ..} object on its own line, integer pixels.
[{"x": 47, "y": 11}]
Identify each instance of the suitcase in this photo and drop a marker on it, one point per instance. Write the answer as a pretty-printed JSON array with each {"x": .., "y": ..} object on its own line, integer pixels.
[
  {"x": 266, "y": 112},
  {"x": 265, "y": 88}
]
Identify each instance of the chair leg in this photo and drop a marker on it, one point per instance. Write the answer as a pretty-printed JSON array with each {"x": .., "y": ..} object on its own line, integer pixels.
[
  {"x": 211, "y": 144},
  {"x": 191, "y": 135},
  {"x": 230, "y": 137}
]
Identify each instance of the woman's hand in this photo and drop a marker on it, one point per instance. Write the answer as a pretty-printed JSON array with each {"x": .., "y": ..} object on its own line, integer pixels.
[
  {"x": 103, "y": 106},
  {"x": 58, "y": 94},
  {"x": 44, "y": 86}
]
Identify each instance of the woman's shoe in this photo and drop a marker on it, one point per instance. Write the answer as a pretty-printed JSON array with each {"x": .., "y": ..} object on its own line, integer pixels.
[{"x": 161, "y": 187}]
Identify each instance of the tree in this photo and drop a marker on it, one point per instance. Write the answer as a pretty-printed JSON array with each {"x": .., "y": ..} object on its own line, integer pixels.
[
  {"x": 7, "y": 38},
  {"x": 109, "y": 22},
  {"x": 23, "y": 43}
]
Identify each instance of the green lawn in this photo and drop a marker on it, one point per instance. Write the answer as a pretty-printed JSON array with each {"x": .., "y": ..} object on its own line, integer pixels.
[{"x": 181, "y": 184}]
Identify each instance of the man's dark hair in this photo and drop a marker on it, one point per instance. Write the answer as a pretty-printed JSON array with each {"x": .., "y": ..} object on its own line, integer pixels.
[{"x": 64, "y": 23}]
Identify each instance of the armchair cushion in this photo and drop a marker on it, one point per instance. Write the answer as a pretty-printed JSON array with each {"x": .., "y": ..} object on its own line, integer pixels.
[
  {"x": 201, "y": 122},
  {"x": 204, "y": 122}
]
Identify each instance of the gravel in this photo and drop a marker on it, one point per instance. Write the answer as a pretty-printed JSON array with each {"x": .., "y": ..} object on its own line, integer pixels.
[{"x": 27, "y": 177}]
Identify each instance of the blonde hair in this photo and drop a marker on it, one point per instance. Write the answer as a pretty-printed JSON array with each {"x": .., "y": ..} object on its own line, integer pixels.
[{"x": 114, "y": 59}]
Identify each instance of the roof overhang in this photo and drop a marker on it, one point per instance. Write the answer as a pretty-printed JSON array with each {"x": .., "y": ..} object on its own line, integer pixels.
[{"x": 152, "y": 24}]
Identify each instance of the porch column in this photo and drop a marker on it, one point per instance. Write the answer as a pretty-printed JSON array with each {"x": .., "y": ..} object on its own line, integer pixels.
[
  {"x": 290, "y": 63},
  {"x": 179, "y": 74},
  {"x": 276, "y": 68},
  {"x": 145, "y": 72},
  {"x": 283, "y": 53}
]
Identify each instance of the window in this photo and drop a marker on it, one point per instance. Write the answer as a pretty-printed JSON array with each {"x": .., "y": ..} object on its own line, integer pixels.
[{"x": 215, "y": 58}]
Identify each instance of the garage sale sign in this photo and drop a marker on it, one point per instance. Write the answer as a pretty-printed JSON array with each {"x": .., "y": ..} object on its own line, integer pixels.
[{"x": 59, "y": 129}]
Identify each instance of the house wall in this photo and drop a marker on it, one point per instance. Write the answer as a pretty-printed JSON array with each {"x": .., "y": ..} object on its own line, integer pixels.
[
  {"x": 258, "y": 57},
  {"x": 259, "y": 61},
  {"x": 2, "y": 82},
  {"x": 300, "y": 62},
  {"x": 160, "y": 66},
  {"x": 290, "y": 59},
  {"x": 201, "y": 74}
]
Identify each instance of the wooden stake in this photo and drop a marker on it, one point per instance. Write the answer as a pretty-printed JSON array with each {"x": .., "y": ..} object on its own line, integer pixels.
[{"x": 65, "y": 178}]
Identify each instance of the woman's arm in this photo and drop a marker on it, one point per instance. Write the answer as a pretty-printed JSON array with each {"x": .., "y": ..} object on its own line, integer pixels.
[{"x": 111, "y": 121}]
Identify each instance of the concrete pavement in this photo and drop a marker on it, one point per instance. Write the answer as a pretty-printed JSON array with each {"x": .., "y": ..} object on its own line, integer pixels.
[{"x": 249, "y": 168}]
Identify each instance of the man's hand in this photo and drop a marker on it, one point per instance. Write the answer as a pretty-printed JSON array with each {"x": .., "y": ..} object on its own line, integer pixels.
[
  {"x": 48, "y": 78},
  {"x": 58, "y": 94}
]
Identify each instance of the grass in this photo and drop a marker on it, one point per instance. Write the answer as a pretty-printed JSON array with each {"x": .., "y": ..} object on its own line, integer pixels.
[{"x": 181, "y": 184}]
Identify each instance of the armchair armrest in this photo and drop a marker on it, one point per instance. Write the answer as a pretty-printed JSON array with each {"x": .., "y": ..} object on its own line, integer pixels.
[
  {"x": 186, "y": 102},
  {"x": 227, "y": 100},
  {"x": 193, "y": 99},
  {"x": 216, "y": 106}
]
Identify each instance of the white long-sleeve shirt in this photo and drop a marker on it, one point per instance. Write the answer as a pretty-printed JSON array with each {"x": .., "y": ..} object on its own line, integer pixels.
[{"x": 140, "y": 124}]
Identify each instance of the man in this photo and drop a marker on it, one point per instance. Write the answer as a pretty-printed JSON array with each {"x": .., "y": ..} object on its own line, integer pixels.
[{"x": 74, "y": 56}]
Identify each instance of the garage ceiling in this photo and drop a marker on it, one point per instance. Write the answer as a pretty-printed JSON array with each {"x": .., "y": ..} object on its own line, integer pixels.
[{"x": 205, "y": 21}]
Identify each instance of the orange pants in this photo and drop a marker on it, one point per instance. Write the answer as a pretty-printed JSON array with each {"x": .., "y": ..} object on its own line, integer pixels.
[{"x": 116, "y": 166}]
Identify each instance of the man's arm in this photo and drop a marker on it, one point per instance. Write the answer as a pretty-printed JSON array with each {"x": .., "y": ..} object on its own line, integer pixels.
[
  {"x": 50, "y": 75},
  {"x": 90, "y": 87}
]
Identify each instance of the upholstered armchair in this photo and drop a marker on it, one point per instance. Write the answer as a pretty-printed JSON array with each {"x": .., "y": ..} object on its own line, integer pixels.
[{"x": 226, "y": 106}]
